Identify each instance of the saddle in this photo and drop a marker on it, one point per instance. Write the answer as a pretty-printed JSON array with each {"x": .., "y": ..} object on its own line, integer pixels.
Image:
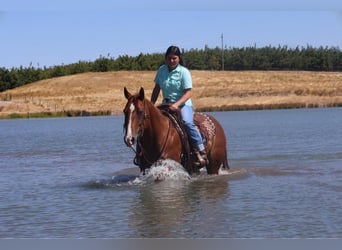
[{"x": 203, "y": 123}]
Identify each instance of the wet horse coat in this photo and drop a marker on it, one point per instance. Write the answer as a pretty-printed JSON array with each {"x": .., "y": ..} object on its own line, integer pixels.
[{"x": 157, "y": 137}]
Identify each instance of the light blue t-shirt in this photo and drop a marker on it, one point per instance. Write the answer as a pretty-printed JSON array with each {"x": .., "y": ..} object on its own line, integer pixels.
[{"x": 173, "y": 83}]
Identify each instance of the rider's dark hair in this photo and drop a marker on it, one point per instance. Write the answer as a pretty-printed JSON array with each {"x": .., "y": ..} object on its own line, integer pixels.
[{"x": 174, "y": 50}]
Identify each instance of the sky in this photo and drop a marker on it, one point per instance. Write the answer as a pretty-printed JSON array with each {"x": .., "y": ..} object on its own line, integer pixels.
[{"x": 42, "y": 33}]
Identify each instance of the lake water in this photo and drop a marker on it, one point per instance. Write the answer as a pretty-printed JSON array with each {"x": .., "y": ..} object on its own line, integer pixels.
[{"x": 74, "y": 178}]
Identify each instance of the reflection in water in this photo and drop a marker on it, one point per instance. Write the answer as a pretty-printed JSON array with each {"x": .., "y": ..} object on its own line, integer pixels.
[{"x": 170, "y": 207}]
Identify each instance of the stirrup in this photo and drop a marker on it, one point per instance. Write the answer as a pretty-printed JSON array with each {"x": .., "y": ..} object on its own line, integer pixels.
[{"x": 202, "y": 159}]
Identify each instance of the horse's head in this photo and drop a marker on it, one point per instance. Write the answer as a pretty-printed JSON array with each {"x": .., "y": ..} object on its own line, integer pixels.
[{"x": 134, "y": 116}]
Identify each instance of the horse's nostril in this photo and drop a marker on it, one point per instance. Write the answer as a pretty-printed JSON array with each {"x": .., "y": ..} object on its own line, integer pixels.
[
  {"x": 129, "y": 141},
  {"x": 126, "y": 140}
]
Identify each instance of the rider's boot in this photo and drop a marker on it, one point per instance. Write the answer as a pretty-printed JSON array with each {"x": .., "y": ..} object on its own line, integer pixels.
[{"x": 202, "y": 159}]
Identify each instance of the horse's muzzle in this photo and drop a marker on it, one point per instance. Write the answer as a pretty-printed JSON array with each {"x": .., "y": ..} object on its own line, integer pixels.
[{"x": 129, "y": 141}]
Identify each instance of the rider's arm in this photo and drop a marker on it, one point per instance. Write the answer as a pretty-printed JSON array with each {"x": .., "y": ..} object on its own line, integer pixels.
[{"x": 183, "y": 99}]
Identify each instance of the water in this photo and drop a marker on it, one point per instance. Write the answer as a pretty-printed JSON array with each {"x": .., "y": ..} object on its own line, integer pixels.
[{"x": 74, "y": 178}]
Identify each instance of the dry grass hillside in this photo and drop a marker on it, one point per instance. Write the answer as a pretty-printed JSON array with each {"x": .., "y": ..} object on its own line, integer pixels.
[{"x": 213, "y": 90}]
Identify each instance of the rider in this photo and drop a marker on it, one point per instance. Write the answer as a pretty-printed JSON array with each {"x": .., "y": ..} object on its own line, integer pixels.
[{"x": 176, "y": 83}]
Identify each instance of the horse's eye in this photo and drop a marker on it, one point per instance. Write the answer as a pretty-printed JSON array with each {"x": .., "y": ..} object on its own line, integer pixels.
[{"x": 140, "y": 112}]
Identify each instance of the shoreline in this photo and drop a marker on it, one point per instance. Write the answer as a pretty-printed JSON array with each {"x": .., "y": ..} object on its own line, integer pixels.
[
  {"x": 101, "y": 93},
  {"x": 83, "y": 113}
]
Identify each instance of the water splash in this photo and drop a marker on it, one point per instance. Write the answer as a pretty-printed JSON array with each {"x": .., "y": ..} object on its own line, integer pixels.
[
  {"x": 161, "y": 171},
  {"x": 166, "y": 170}
]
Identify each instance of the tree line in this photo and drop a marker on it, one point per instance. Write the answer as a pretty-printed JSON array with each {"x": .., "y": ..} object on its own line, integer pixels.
[{"x": 247, "y": 58}]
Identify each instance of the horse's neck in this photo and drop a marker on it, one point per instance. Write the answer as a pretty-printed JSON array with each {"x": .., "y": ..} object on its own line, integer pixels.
[{"x": 158, "y": 123}]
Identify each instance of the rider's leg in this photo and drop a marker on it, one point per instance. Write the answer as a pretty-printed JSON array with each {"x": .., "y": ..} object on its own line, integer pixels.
[{"x": 194, "y": 135}]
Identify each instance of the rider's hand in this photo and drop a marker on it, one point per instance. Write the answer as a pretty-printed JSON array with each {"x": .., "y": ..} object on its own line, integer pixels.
[{"x": 174, "y": 107}]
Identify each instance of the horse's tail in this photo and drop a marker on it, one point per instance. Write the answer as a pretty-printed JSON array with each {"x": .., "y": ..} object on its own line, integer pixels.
[{"x": 225, "y": 162}]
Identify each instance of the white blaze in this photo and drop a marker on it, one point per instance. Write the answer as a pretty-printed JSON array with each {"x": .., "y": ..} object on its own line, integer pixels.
[{"x": 129, "y": 134}]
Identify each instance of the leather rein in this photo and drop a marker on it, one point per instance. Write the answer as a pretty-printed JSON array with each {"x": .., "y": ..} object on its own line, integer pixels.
[{"x": 143, "y": 152}]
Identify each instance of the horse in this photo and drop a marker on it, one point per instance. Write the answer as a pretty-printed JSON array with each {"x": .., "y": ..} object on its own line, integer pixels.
[{"x": 157, "y": 137}]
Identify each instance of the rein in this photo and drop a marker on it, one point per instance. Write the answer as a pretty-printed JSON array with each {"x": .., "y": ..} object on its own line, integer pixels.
[{"x": 143, "y": 152}]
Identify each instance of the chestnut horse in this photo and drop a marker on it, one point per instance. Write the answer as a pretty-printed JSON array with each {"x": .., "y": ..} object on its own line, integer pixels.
[{"x": 157, "y": 137}]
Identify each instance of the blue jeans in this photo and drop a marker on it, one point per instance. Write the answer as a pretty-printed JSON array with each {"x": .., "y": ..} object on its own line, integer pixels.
[{"x": 193, "y": 134}]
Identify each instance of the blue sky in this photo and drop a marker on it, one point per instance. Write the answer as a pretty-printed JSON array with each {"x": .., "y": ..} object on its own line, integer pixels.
[{"x": 47, "y": 33}]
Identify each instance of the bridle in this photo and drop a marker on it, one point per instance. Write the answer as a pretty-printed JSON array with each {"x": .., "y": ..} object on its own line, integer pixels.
[{"x": 141, "y": 127}]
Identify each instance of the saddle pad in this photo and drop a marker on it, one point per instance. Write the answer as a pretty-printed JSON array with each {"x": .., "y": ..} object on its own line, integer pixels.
[{"x": 205, "y": 125}]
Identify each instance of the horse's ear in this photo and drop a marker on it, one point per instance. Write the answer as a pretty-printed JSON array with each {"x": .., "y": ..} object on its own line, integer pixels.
[
  {"x": 141, "y": 94},
  {"x": 127, "y": 94}
]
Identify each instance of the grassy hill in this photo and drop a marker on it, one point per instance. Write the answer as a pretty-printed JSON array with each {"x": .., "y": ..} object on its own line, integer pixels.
[{"x": 102, "y": 93}]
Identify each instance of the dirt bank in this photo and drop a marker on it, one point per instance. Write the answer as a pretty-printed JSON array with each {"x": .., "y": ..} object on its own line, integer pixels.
[{"x": 102, "y": 93}]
